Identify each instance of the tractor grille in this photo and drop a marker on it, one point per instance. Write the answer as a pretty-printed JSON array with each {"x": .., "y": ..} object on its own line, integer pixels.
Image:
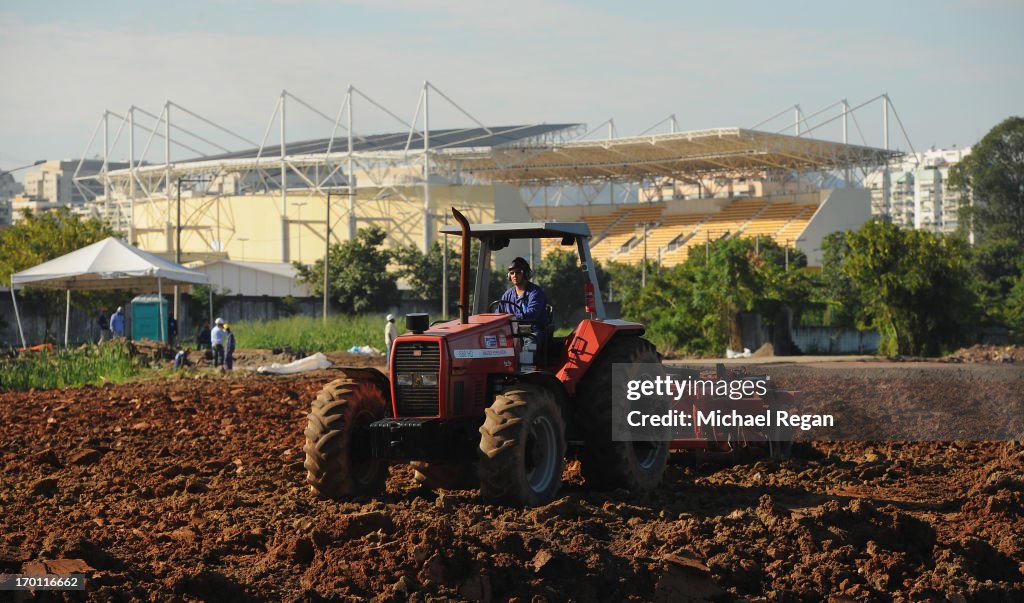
[{"x": 417, "y": 359}]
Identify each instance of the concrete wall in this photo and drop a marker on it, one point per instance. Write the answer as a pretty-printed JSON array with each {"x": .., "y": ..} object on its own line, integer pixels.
[
  {"x": 83, "y": 324},
  {"x": 842, "y": 209},
  {"x": 219, "y": 224},
  {"x": 83, "y": 327}
]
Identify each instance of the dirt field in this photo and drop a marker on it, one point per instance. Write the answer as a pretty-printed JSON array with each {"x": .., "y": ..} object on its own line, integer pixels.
[{"x": 193, "y": 489}]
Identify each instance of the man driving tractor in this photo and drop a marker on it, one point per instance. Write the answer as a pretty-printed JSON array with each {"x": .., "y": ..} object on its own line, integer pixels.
[{"x": 525, "y": 299}]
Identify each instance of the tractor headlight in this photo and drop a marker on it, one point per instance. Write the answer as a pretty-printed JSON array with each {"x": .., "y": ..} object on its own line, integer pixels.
[{"x": 416, "y": 379}]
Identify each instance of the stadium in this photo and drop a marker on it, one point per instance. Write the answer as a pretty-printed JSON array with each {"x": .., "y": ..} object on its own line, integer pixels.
[{"x": 657, "y": 196}]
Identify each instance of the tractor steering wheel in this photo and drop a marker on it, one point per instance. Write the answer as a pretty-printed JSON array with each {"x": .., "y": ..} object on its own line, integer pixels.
[{"x": 498, "y": 303}]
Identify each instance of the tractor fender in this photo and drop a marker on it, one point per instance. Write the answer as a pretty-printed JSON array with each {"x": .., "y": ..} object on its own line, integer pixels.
[
  {"x": 370, "y": 374},
  {"x": 550, "y": 382},
  {"x": 589, "y": 340}
]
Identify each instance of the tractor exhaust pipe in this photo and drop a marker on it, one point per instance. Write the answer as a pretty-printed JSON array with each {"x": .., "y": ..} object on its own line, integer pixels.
[{"x": 463, "y": 268}]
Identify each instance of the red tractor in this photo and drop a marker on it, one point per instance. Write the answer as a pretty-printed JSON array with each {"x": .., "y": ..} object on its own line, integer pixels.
[{"x": 485, "y": 399}]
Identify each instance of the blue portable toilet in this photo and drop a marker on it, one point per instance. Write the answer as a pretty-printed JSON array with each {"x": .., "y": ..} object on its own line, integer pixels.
[{"x": 146, "y": 313}]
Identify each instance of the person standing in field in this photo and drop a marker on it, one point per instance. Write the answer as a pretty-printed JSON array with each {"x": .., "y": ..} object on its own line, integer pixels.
[
  {"x": 390, "y": 333},
  {"x": 172, "y": 330},
  {"x": 203, "y": 338},
  {"x": 117, "y": 322},
  {"x": 103, "y": 322},
  {"x": 217, "y": 341},
  {"x": 229, "y": 347}
]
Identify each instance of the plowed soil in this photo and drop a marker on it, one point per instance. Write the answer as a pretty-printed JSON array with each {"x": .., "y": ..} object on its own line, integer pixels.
[{"x": 193, "y": 489}]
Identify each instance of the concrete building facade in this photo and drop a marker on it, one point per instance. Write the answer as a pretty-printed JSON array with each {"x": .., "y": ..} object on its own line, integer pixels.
[
  {"x": 59, "y": 183},
  {"x": 920, "y": 196},
  {"x": 9, "y": 188}
]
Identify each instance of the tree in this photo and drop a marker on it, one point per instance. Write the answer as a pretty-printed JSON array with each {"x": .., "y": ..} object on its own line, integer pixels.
[
  {"x": 995, "y": 265},
  {"x": 914, "y": 287},
  {"x": 360, "y": 281},
  {"x": 696, "y": 306},
  {"x": 41, "y": 237},
  {"x": 730, "y": 282},
  {"x": 835, "y": 288},
  {"x": 623, "y": 280},
  {"x": 994, "y": 174},
  {"x": 667, "y": 308},
  {"x": 1013, "y": 312},
  {"x": 560, "y": 275},
  {"x": 423, "y": 273},
  {"x": 788, "y": 292}
]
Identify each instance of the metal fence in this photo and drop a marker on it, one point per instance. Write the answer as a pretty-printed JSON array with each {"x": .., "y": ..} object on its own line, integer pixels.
[{"x": 829, "y": 340}]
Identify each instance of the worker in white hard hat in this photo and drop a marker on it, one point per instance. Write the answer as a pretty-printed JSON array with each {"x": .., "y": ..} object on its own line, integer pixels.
[
  {"x": 217, "y": 336},
  {"x": 390, "y": 333}
]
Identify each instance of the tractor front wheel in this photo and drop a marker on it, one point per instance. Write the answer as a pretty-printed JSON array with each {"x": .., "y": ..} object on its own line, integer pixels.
[
  {"x": 334, "y": 468},
  {"x": 522, "y": 447}
]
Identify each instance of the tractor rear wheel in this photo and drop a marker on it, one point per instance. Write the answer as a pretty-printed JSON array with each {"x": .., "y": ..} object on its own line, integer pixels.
[
  {"x": 444, "y": 476},
  {"x": 522, "y": 447},
  {"x": 606, "y": 464},
  {"x": 334, "y": 469}
]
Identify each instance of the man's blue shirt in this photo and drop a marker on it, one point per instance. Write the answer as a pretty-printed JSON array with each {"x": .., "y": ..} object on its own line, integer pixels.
[
  {"x": 117, "y": 324},
  {"x": 532, "y": 305}
]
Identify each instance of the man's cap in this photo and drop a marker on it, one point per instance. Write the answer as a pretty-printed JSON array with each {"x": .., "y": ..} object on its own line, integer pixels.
[
  {"x": 520, "y": 264},
  {"x": 119, "y": 308},
  {"x": 227, "y": 325},
  {"x": 219, "y": 321},
  {"x": 391, "y": 317}
]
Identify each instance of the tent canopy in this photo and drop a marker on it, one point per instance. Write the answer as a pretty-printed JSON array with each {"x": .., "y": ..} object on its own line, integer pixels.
[{"x": 108, "y": 264}]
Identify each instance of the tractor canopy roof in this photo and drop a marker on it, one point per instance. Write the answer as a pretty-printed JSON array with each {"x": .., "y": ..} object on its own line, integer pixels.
[{"x": 522, "y": 230}]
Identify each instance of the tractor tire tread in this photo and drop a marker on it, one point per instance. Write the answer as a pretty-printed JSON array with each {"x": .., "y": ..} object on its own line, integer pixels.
[
  {"x": 328, "y": 434},
  {"x": 502, "y": 470},
  {"x": 606, "y": 464}
]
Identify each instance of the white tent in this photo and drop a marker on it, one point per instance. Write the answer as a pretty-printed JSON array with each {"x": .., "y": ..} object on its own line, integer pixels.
[{"x": 108, "y": 264}]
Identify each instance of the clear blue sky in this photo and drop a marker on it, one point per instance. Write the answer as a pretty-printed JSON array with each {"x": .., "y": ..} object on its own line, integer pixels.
[{"x": 953, "y": 68}]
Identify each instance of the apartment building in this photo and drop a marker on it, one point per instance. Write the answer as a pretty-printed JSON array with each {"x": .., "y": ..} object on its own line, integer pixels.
[
  {"x": 52, "y": 184},
  {"x": 9, "y": 188},
  {"x": 920, "y": 196}
]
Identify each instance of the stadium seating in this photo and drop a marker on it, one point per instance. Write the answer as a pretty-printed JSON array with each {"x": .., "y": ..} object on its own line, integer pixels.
[
  {"x": 789, "y": 233},
  {"x": 618, "y": 233},
  {"x": 627, "y": 227}
]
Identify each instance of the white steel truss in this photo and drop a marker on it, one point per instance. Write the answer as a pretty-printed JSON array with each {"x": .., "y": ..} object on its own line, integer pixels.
[{"x": 544, "y": 160}]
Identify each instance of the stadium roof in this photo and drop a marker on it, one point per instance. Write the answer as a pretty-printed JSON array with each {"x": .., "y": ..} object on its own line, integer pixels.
[
  {"x": 440, "y": 140},
  {"x": 675, "y": 155},
  {"x": 540, "y": 154}
]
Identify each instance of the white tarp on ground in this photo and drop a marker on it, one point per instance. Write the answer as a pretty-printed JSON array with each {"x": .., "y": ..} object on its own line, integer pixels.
[{"x": 309, "y": 363}]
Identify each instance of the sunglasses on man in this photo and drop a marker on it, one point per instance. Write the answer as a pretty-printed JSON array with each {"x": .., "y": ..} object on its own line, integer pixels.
[{"x": 516, "y": 271}]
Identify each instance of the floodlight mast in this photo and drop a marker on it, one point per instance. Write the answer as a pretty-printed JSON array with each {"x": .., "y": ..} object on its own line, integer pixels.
[
  {"x": 23, "y": 167},
  {"x": 177, "y": 246},
  {"x": 327, "y": 254}
]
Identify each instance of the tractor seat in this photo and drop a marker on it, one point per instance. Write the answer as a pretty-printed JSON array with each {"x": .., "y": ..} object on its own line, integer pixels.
[{"x": 546, "y": 346}]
